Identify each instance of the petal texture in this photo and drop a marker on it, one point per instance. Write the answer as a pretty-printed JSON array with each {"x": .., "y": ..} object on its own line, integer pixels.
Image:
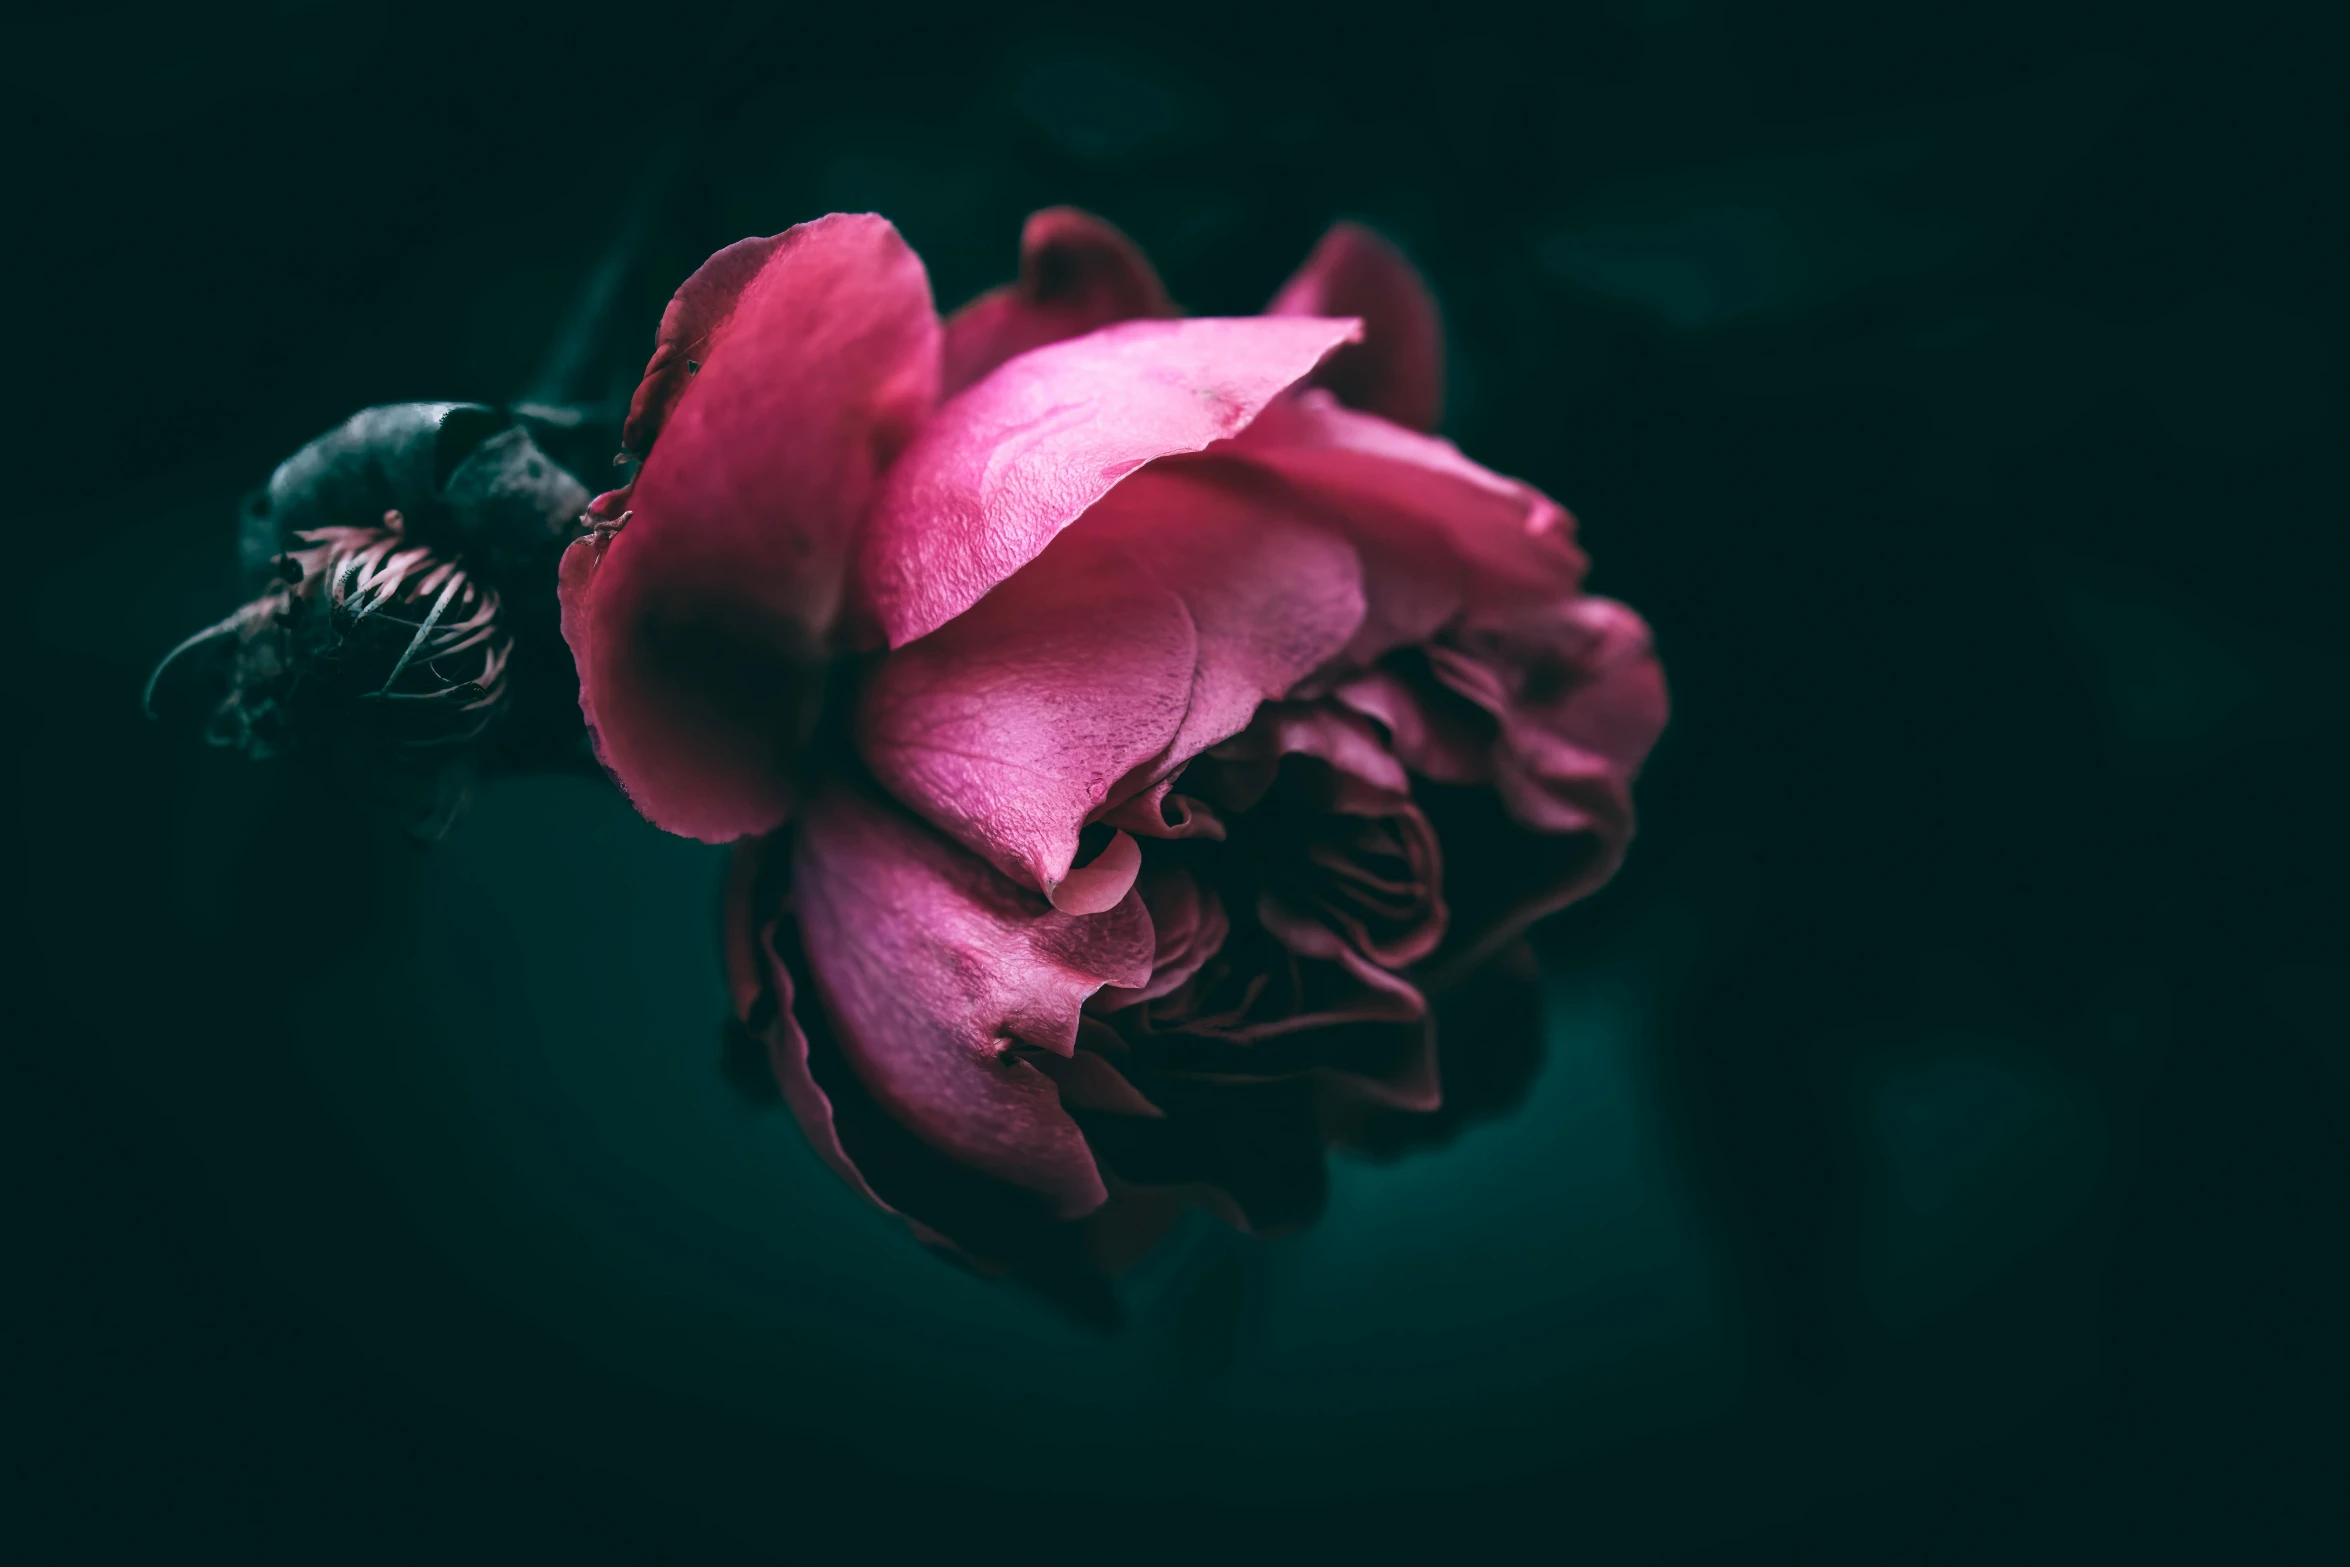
[
  {"x": 790, "y": 371},
  {"x": 939, "y": 977},
  {"x": 1144, "y": 635},
  {"x": 1436, "y": 531},
  {"x": 1008, "y": 464},
  {"x": 1077, "y": 273},
  {"x": 1397, "y": 370}
]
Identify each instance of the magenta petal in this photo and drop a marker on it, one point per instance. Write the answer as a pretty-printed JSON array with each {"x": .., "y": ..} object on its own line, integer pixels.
[
  {"x": 1580, "y": 699},
  {"x": 701, "y": 627},
  {"x": 1159, "y": 812},
  {"x": 1404, "y": 497},
  {"x": 1272, "y": 593},
  {"x": 764, "y": 999},
  {"x": 1448, "y": 742},
  {"x": 940, "y": 976},
  {"x": 1010, "y": 727},
  {"x": 697, "y": 316},
  {"x": 1077, "y": 273},
  {"x": 1005, "y": 466},
  {"x": 1144, "y": 635},
  {"x": 1397, "y": 370}
]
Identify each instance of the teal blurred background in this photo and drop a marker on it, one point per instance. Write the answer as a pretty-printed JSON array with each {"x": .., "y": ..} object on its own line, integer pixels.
[{"x": 1939, "y": 1152}]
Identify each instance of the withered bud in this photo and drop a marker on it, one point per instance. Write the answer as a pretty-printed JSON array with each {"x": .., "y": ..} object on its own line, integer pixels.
[{"x": 402, "y": 571}]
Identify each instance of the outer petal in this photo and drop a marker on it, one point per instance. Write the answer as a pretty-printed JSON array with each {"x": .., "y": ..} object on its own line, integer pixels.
[
  {"x": 701, "y": 626},
  {"x": 1397, "y": 371},
  {"x": 767, "y": 1002},
  {"x": 1556, "y": 709},
  {"x": 934, "y": 972},
  {"x": 1007, "y": 465},
  {"x": 989, "y": 1224},
  {"x": 1411, "y": 501},
  {"x": 1579, "y": 698},
  {"x": 1141, "y": 637},
  {"x": 1076, "y": 273}
]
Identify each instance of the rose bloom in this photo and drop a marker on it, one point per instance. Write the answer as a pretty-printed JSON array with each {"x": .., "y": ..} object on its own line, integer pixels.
[{"x": 1133, "y": 726}]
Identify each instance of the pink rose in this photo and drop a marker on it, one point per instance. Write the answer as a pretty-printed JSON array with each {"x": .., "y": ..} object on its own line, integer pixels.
[{"x": 1131, "y": 721}]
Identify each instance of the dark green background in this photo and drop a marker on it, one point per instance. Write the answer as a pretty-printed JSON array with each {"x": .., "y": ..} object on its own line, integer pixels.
[{"x": 1940, "y": 1153}]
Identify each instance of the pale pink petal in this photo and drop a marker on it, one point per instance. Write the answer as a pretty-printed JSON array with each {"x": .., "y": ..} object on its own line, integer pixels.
[
  {"x": 1397, "y": 370},
  {"x": 940, "y": 977},
  {"x": 702, "y": 626},
  {"x": 1076, "y": 273},
  {"x": 1009, "y": 463}
]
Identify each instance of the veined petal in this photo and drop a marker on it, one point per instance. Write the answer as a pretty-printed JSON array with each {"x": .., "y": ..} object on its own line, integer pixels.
[
  {"x": 1009, "y": 728},
  {"x": 1141, "y": 637},
  {"x": 1008, "y": 464}
]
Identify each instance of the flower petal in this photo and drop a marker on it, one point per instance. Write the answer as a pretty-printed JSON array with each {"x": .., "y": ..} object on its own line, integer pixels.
[
  {"x": 766, "y": 1000},
  {"x": 1322, "y": 811},
  {"x": 1008, "y": 464},
  {"x": 1144, "y": 635},
  {"x": 1488, "y": 1051},
  {"x": 1557, "y": 708},
  {"x": 1409, "y": 501},
  {"x": 1076, "y": 273},
  {"x": 1188, "y": 927},
  {"x": 1580, "y": 700},
  {"x": 790, "y": 371},
  {"x": 991, "y": 1225},
  {"x": 1272, "y": 593},
  {"x": 1010, "y": 727},
  {"x": 1397, "y": 370},
  {"x": 932, "y": 969}
]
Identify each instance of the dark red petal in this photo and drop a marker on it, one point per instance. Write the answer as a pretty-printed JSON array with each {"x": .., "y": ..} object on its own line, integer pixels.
[
  {"x": 1397, "y": 370},
  {"x": 1489, "y": 1048},
  {"x": 1076, "y": 273}
]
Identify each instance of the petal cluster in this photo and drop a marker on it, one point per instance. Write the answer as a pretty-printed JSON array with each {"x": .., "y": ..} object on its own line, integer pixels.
[{"x": 1131, "y": 722}]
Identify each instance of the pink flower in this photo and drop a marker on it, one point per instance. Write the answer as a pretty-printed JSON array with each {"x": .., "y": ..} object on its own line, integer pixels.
[{"x": 1130, "y": 720}]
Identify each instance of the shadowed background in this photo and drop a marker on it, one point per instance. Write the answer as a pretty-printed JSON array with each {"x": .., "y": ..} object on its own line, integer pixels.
[{"x": 1939, "y": 1148}]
